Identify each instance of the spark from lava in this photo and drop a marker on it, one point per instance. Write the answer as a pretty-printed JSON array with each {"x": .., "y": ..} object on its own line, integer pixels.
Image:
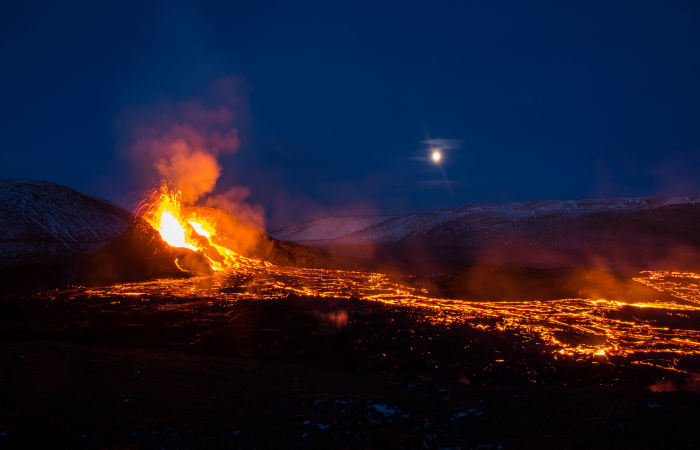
[{"x": 185, "y": 226}]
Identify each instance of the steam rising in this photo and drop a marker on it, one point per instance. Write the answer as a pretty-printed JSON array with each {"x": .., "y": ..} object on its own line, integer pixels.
[
  {"x": 234, "y": 202},
  {"x": 183, "y": 144},
  {"x": 184, "y": 148}
]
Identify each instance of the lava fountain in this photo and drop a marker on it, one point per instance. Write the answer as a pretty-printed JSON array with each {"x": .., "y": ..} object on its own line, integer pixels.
[{"x": 191, "y": 227}]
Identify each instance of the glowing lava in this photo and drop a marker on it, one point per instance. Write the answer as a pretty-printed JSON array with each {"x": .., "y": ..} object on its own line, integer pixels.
[
  {"x": 662, "y": 334},
  {"x": 189, "y": 227},
  {"x": 172, "y": 231}
]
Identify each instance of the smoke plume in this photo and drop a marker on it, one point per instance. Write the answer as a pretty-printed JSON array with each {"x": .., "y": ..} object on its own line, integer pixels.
[
  {"x": 233, "y": 201},
  {"x": 182, "y": 144},
  {"x": 183, "y": 147}
]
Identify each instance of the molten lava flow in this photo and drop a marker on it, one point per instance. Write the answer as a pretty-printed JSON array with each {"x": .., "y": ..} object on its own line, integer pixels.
[
  {"x": 181, "y": 228},
  {"x": 661, "y": 334}
]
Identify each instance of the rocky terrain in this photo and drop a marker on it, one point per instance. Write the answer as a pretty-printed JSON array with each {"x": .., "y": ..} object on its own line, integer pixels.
[
  {"x": 281, "y": 356},
  {"x": 48, "y": 224},
  {"x": 620, "y": 235},
  {"x": 53, "y": 235},
  {"x": 48, "y": 228},
  {"x": 298, "y": 372}
]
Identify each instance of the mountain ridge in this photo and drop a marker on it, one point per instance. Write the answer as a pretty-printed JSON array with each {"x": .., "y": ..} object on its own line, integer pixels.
[
  {"x": 368, "y": 221},
  {"x": 621, "y": 234}
]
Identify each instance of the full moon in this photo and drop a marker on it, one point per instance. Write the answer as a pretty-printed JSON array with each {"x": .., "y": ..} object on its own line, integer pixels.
[{"x": 437, "y": 156}]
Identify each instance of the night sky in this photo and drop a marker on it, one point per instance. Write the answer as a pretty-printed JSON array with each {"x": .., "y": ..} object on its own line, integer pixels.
[{"x": 553, "y": 100}]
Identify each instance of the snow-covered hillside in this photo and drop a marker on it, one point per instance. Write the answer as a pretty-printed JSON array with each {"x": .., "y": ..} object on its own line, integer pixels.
[
  {"x": 590, "y": 232},
  {"x": 391, "y": 229},
  {"x": 327, "y": 228},
  {"x": 45, "y": 224}
]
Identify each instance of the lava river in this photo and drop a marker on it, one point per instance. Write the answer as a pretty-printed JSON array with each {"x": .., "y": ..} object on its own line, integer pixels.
[{"x": 661, "y": 334}]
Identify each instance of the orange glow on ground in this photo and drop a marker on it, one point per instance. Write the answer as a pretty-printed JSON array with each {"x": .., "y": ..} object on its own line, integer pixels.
[
  {"x": 579, "y": 328},
  {"x": 605, "y": 329}
]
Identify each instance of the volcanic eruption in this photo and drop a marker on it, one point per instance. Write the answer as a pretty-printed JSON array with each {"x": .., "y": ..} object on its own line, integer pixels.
[
  {"x": 191, "y": 227},
  {"x": 181, "y": 146}
]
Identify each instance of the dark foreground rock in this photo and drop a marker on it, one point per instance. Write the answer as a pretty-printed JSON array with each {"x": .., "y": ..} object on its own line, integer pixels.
[
  {"x": 301, "y": 372},
  {"x": 497, "y": 283}
]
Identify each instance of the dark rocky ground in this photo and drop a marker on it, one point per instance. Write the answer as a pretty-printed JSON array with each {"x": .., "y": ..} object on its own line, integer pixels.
[
  {"x": 155, "y": 371},
  {"x": 125, "y": 372}
]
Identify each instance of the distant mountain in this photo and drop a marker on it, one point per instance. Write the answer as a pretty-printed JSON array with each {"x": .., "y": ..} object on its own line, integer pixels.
[
  {"x": 46, "y": 224},
  {"x": 327, "y": 228},
  {"x": 622, "y": 235},
  {"x": 47, "y": 230},
  {"x": 52, "y": 235}
]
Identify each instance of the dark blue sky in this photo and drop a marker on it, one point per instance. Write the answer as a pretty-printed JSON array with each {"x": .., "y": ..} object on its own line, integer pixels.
[{"x": 548, "y": 99}]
